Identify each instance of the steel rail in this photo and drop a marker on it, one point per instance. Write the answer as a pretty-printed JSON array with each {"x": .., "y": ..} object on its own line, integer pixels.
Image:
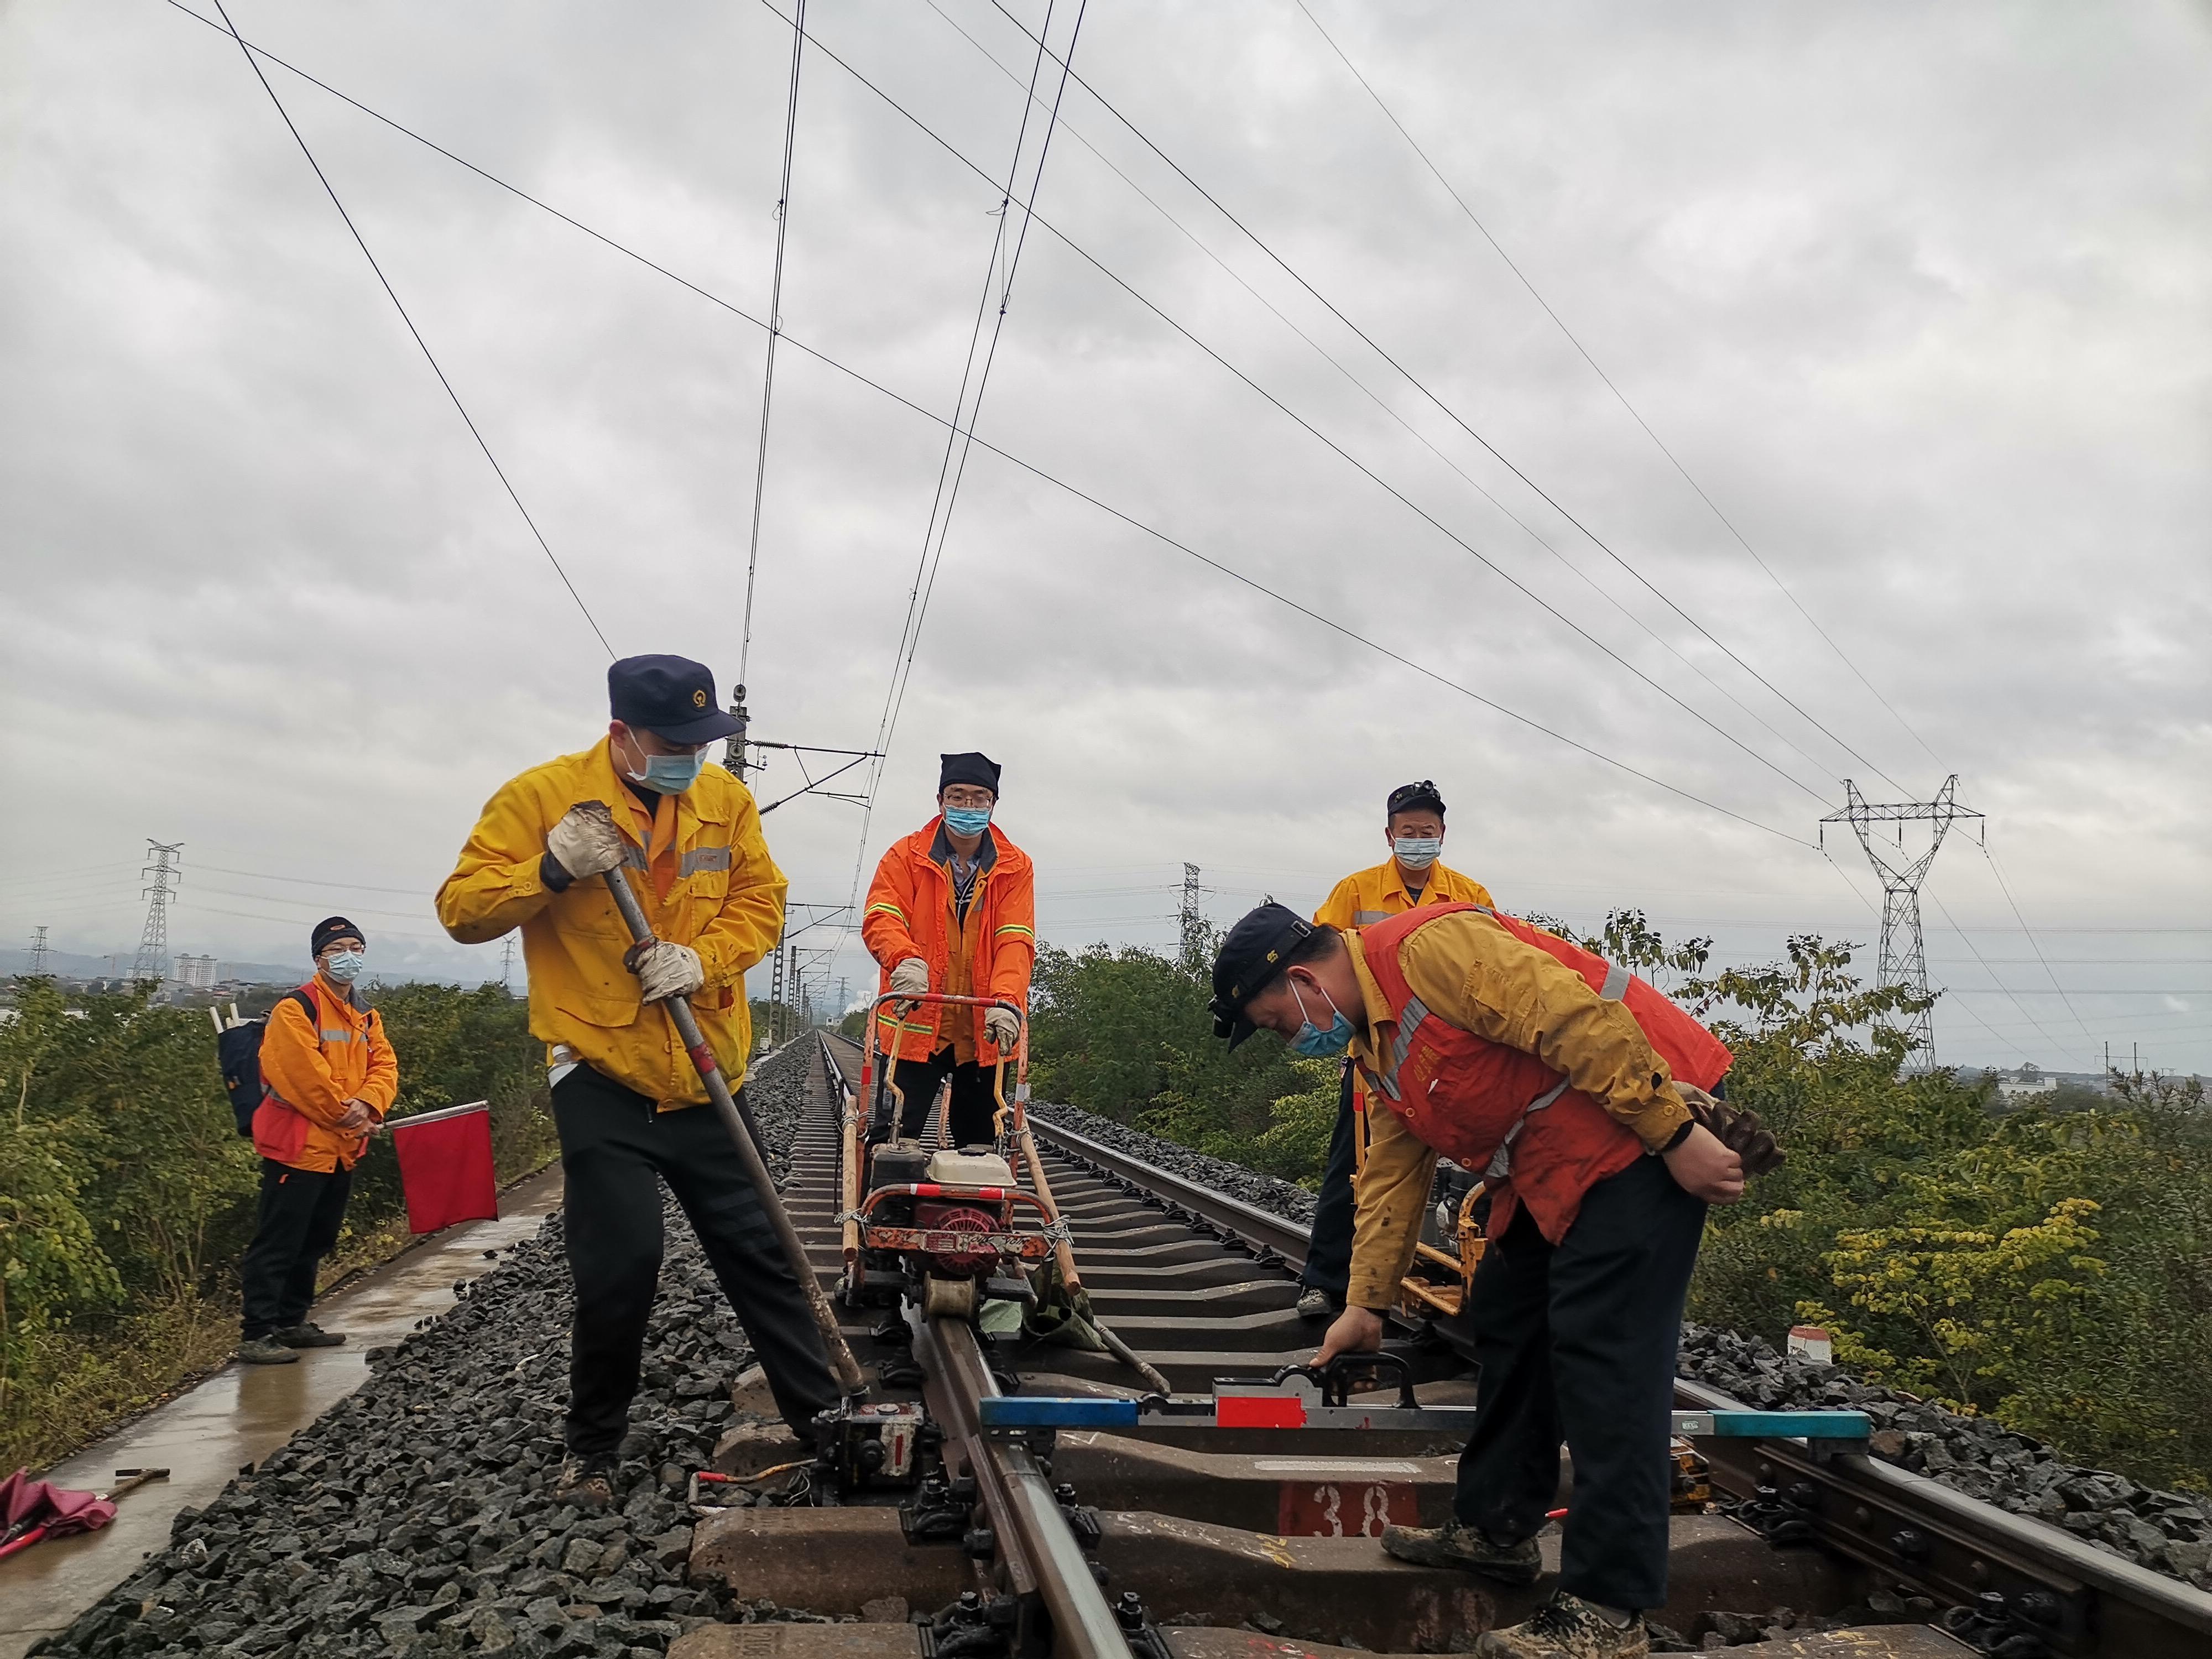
[
  {"x": 1937, "y": 1541},
  {"x": 1041, "y": 1555}
]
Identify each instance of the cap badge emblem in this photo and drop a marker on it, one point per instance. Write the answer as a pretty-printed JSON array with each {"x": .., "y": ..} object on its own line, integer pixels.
[{"x": 698, "y": 699}]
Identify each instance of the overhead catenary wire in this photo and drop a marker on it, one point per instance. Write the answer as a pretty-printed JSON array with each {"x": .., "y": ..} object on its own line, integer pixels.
[
  {"x": 1328, "y": 442},
  {"x": 2004, "y": 886},
  {"x": 392, "y": 293},
  {"x": 775, "y": 328},
  {"x": 1445, "y": 408},
  {"x": 953, "y": 467},
  {"x": 1016, "y": 461},
  {"x": 1635, "y": 414},
  {"x": 1399, "y": 419}
]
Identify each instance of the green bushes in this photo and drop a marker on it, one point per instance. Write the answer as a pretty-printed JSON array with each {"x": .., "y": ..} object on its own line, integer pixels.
[{"x": 127, "y": 1195}]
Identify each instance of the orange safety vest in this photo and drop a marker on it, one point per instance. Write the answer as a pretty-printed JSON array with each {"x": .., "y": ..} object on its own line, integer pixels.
[{"x": 1504, "y": 1111}]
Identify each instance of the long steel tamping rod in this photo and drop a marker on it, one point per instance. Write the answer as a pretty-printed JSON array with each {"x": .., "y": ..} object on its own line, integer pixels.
[{"x": 726, "y": 1108}]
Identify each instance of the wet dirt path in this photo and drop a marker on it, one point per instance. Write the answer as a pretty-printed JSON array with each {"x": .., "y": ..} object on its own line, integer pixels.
[{"x": 239, "y": 1415}]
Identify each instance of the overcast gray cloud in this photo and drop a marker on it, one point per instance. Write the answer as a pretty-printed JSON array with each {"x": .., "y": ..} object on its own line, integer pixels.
[{"x": 1918, "y": 295}]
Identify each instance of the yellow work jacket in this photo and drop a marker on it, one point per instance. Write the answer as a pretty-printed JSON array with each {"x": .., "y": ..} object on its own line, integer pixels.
[
  {"x": 1471, "y": 973},
  {"x": 701, "y": 868}
]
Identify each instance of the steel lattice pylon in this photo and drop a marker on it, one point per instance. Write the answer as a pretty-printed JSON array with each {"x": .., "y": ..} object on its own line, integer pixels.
[
  {"x": 1191, "y": 921},
  {"x": 1903, "y": 958},
  {"x": 152, "y": 961}
]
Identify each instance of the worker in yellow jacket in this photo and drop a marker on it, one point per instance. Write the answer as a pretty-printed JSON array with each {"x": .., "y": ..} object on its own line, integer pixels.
[
  {"x": 686, "y": 837},
  {"x": 328, "y": 1076},
  {"x": 1413, "y": 875}
]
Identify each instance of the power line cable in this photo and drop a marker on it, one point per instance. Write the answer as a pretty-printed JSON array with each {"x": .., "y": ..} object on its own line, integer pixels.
[
  {"x": 925, "y": 574},
  {"x": 1634, "y": 413},
  {"x": 1413, "y": 431},
  {"x": 1999, "y": 983},
  {"x": 1449, "y": 412},
  {"x": 774, "y": 329},
  {"x": 1997, "y": 870},
  {"x": 1322, "y": 438},
  {"x": 428, "y": 356},
  {"x": 1031, "y": 468}
]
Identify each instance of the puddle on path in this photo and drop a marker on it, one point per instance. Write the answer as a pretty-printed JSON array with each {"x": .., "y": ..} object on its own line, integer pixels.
[{"x": 239, "y": 1415}]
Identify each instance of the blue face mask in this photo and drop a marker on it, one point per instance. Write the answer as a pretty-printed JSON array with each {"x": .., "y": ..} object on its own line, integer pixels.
[
  {"x": 344, "y": 966},
  {"x": 967, "y": 820},
  {"x": 1418, "y": 852},
  {"x": 669, "y": 774},
  {"x": 1313, "y": 1043}
]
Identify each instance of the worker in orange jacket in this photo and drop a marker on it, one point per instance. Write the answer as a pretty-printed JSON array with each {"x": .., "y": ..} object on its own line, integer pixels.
[
  {"x": 952, "y": 909},
  {"x": 327, "y": 1078}
]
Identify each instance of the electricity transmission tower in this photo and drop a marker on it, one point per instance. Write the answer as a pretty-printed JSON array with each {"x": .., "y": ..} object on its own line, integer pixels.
[
  {"x": 1192, "y": 923},
  {"x": 39, "y": 952},
  {"x": 507, "y": 966},
  {"x": 152, "y": 961},
  {"x": 1904, "y": 959}
]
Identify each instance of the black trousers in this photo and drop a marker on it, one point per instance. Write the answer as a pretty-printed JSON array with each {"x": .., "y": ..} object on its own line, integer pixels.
[
  {"x": 615, "y": 1151},
  {"x": 1329, "y": 1255},
  {"x": 1577, "y": 1341},
  {"x": 301, "y": 1211},
  {"x": 974, "y": 1109}
]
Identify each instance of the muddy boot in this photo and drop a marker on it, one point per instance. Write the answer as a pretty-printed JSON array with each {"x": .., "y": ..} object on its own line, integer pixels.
[
  {"x": 1467, "y": 1548},
  {"x": 586, "y": 1479},
  {"x": 306, "y": 1336},
  {"x": 1316, "y": 1303},
  {"x": 265, "y": 1350},
  {"x": 1568, "y": 1627}
]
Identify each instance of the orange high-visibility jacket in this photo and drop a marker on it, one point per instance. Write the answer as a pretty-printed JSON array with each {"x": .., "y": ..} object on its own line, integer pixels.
[
  {"x": 910, "y": 913},
  {"x": 311, "y": 1068}
]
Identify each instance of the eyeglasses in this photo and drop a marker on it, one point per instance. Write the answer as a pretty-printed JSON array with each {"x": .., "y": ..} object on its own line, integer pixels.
[{"x": 971, "y": 797}]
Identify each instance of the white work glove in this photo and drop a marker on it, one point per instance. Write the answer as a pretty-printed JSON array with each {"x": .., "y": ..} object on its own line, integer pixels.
[
  {"x": 910, "y": 979},
  {"x": 1003, "y": 1027},
  {"x": 585, "y": 841},
  {"x": 665, "y": 968}
]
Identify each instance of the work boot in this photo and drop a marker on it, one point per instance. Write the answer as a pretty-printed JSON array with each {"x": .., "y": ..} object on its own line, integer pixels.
[
  {"x": 306, "y": 1336},
  {"x": 1567, "y": 1627},
  {"x": 1469, "y": 1549},
  {"x": 265, "y": 1350},
  {"x": 586, "y": 1479},
  {"x": 1317, "y": 1303}
]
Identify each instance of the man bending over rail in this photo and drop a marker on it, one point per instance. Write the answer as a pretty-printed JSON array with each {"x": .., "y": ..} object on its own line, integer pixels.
[
  {"x": 1517, "y": 1053},
  {"x": 687, "y": 838}
]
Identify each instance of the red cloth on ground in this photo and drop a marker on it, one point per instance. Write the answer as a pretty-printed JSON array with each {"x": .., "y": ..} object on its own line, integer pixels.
[
  {"x": 26, "y": 1502},
  {"x": 446, "y": 1169}
]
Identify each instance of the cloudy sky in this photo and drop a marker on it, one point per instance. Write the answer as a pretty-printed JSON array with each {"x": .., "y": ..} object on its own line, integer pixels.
[{"x": 1916, "y": 296}]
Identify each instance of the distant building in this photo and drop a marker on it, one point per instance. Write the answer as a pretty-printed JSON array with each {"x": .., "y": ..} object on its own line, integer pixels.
[
  {"x": 2014, "y": 1086},
  {"x": 196, "y": 973}
]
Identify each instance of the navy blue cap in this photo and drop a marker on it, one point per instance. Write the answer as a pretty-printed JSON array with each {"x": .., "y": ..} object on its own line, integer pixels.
[
  {"x": 1248, "y": 962},
  {"x": 671, "y": 697},
  {"x": 971, "y": 768},
  {"x": 333, "y": 927}
]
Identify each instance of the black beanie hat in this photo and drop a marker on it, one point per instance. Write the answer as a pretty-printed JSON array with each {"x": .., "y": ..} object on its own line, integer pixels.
[
  {"x": 971, "y": 768},
  {"x": 333, "y": 927}
]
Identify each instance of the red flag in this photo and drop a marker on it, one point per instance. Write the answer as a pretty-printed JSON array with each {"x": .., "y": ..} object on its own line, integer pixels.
[{"x": 445, "y": 1165}]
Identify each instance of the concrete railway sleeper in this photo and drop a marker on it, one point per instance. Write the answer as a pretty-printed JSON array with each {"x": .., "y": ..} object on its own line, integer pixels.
[
  {"x": 1005, "y": 1490},
  {"x": 1194, "y": 1531}
]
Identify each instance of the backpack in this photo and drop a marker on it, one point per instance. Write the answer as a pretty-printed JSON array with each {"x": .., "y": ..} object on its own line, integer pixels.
[{"x": 238, "y": 1052}]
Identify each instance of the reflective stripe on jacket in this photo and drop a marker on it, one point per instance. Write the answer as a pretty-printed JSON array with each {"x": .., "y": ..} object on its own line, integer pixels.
[
  {"x": 311, "y": 1068},
  {"x": 910, "y": 913},
  {"x": 1514, "y": 1053},
  {"x": 701, "y": 868}
]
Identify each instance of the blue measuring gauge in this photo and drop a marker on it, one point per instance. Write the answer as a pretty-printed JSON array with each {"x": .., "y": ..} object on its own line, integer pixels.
[{"x": 1244, "y": 1405}]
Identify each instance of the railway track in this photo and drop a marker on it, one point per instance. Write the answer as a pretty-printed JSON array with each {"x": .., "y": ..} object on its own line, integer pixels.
[{"x": 1203, "y": 1542}]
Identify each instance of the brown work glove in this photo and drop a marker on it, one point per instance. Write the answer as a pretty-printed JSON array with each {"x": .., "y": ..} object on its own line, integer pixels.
[{"x": 1736, "y": 1128}]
